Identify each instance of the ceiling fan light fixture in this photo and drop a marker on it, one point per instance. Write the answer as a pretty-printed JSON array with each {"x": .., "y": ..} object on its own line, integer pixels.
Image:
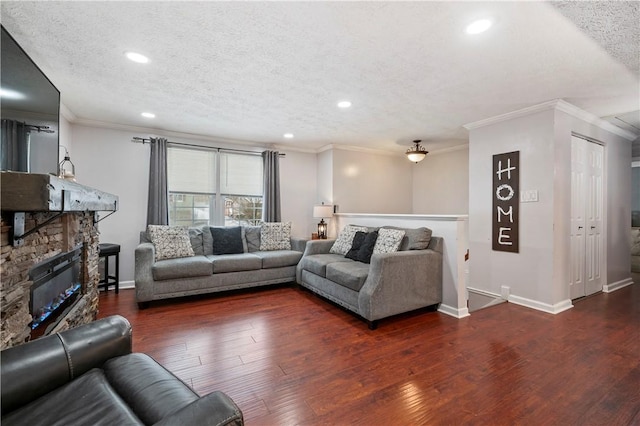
[{"x": 417, "y": 153}]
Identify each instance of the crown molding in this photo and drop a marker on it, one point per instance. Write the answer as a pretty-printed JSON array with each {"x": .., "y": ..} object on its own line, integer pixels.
[
  {"x": 67, "y": 113},
  {"x": 449, "y": 149},
  {"x": 559, "y": 105},
  {"x": 288, "y": 148},
  {"x": 149, "y": 131}
]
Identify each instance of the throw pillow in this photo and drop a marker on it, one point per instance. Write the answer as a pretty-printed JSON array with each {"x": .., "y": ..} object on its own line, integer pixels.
[
  {"x": 362, "y": 248},
  {"x": 414, "y": 238},
  {"x": 227, "y": 239},
  {"x": 275, "y": 236},
  {"x": 170, "y": 241},
  {"x": 342, "y": 245},
  {"x": 358, "y": 239},
  {"x": 388, "y": 240},
  {"x": 252, "y": 234},
  {"x": 195, "y": 235}
]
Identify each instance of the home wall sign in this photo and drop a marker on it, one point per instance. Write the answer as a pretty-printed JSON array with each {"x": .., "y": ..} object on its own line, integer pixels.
[{"x": 506, "y": 201}]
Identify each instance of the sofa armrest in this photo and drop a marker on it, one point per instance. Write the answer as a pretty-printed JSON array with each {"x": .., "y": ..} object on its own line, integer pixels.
[
  {"x": 35, "y": 368},
  {"x": 318, "y": 247},
  {"x": 298, "y": 244},
  {"x": 400, "y": 282},
  {"x": 145, "y": 256},
  {"x": 214, "y": 409}
]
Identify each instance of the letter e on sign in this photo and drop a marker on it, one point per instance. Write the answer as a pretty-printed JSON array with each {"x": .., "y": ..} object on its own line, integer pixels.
[{"x": 506, "y": 201}]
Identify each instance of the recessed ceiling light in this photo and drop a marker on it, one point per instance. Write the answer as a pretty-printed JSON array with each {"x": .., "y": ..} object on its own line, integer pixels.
[
  {"x": 479, "y": 26},
  {"x": 10, "y": 94},
  {"x": 288, "y": 135},
  {"x": 137, "y": 57},
  {"x": 344, "y": 104},
  {"x": 148, "y": 115}
]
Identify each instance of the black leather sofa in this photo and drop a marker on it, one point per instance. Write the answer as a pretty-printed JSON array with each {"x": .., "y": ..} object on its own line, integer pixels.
[{"x": 89, "y": 376}]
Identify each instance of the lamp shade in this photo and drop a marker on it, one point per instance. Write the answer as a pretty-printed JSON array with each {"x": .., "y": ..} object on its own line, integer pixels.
[
  {"x": 417, "y": 153},
  {"x": 322, "y": 211}
]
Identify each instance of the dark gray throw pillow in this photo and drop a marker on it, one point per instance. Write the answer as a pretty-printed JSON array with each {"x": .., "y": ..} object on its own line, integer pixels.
[
  {"x": 362, "y": 247},
  {"x": 227, "y": 239}
]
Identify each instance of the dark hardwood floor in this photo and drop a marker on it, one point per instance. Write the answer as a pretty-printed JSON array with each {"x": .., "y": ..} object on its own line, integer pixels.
[{"x": 286, "y": 357}]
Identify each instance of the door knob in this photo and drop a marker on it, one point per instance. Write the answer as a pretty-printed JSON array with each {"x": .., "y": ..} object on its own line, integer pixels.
[
  {"x": 579, "y": 227},
  {"x": 593, "y": 227}
]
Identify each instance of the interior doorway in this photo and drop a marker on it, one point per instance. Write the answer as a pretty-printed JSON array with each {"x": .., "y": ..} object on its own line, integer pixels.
[{"x": 587, "y": 211}]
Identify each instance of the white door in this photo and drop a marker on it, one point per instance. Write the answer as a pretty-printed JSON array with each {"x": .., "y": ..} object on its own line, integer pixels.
[{"x": 587, "y": 205}]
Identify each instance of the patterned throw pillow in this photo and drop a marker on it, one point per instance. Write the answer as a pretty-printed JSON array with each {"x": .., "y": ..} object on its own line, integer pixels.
[
  {"x": 388, "y": 240},
  {"x": 170, "y": 241},
  {"x": 275, "y": 236},
  {"x": 345, "y": 239}
]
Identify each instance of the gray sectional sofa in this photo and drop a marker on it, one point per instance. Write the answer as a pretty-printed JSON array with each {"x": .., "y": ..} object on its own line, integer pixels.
[
  {"x": 206, "y": 272},
  {"x": 392, "y": 283}
]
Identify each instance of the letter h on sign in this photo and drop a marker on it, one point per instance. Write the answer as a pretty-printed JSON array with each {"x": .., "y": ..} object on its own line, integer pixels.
[{"x": 506, "y": 201}]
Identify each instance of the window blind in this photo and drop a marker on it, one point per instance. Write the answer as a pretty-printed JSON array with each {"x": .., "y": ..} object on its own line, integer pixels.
[
  {"x": 190, "y": 170},
  {"x": 240, "y": 174}
]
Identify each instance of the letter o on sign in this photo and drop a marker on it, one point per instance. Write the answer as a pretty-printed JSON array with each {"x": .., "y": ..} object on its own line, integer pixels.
[{"x": 508, "y": 196}]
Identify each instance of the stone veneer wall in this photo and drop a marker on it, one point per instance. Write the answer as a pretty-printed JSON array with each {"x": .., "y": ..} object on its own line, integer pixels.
[{"x": 61, "y": 235}]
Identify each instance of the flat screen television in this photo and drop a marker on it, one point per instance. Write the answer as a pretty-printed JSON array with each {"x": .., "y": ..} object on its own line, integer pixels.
[{"x": 30, "y": 113}]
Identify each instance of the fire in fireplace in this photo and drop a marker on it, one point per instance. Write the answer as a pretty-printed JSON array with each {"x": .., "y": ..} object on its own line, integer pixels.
[{"x": 56, "y": 286}]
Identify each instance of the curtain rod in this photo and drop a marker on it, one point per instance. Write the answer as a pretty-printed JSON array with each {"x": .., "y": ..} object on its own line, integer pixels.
[
  {"x": 137, "y": 139},
  {"x": 43, "y": 129}
]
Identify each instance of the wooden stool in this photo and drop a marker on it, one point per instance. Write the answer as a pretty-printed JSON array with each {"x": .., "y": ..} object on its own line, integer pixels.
[{"x": 107, "y": 250}]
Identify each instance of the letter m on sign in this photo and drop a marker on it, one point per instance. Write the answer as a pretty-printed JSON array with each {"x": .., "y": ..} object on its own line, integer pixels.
[{"x": 506, "y": 201}]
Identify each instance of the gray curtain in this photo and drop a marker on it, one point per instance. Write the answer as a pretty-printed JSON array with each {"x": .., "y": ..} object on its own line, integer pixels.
[
  {"x": 14, "y": 150},
  {"x": 271, "y": 196},
  {"x": 158, "y": 202}
]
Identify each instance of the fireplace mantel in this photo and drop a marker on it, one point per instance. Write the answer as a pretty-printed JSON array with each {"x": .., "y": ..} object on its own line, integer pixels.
[{"x": 32, "y": 192}]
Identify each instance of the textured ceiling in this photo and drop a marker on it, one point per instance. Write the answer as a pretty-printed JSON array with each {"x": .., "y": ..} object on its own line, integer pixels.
[{"x": 252, "y": 71}]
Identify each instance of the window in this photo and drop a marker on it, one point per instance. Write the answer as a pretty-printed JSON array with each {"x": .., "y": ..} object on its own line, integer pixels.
[{"x": 215, "y": 188}]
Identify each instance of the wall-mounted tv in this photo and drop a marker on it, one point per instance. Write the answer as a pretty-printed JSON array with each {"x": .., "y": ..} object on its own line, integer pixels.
[{"x": 29, "y": 110}]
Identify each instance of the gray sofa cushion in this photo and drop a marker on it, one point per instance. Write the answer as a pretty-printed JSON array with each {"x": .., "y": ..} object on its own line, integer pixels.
[
  {"x": 348, "y": 274},
  {"x": 414, "y": 238},
  {"x": 184, "y": 267},
  {"x": 278, "y": 258},
  {"x": 317, "y": 263},
  {"x": 235, "y": 262}
]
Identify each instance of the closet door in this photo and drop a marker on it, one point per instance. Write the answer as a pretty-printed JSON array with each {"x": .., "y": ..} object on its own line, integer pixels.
[
  {"x": 594, "y": 208},
  {"x": 587, "y": 206}
]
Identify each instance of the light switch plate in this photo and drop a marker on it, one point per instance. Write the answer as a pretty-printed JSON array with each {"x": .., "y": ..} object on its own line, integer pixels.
[{"x": 529, "y": 196}]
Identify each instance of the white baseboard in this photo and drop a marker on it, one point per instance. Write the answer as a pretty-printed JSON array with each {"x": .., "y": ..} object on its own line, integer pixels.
[
  {"x": 127, "y": 284},
  {"x": 608, "y": 288},
  {"x": 484, "y": 293},
  {"x": 541, "y": 306},
  {"x": 454, "y": 312}
]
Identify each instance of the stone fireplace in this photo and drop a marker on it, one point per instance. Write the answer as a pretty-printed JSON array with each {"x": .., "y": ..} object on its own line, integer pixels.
[{"x": 47, "y": 235}]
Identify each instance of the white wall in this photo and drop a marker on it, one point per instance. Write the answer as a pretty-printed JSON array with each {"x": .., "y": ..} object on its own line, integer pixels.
[
  {"x": 441, "y": 183},
  {"x": 529, "y": 272},
  {"x": 106, "y": 159},
  {"x": 65, "y": 138},
  {"x": 365, "y": 182},
  {"x": 539, "y": 275}
]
